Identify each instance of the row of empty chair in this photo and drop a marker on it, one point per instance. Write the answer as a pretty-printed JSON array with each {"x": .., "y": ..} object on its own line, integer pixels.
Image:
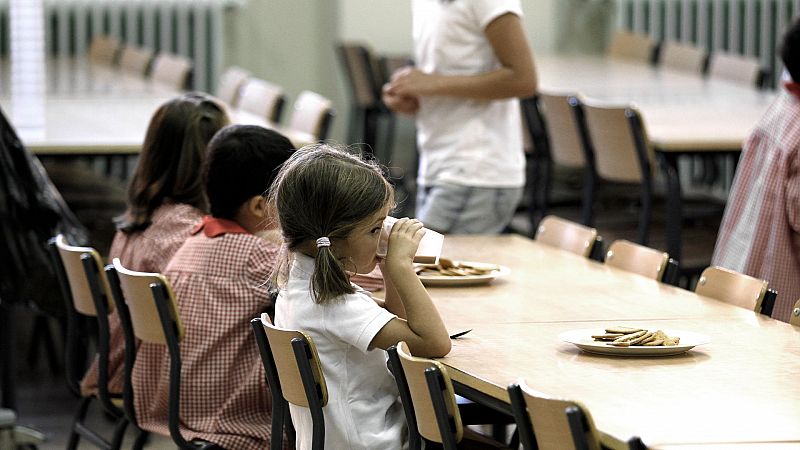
[
  {"x": 686, "y": 57},
  {"x": 310, "y": 117},
  {"x": 167, "y": 69},
  {"x": 715, "y": 282}
]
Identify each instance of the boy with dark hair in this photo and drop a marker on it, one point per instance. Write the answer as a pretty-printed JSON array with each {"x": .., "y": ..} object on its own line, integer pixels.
[
  {"x": 760, "y": 231},
  {"x": 219, "y": 277}
]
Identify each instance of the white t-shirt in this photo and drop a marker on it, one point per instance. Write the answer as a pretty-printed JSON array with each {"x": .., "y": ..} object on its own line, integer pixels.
[
  {"x": 364, "y": 409},
  {"x": 462, "y": 141}
]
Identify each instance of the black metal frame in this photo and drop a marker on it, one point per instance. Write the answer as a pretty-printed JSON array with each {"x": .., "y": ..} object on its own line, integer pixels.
[
  {"x": 768, "y": 302},
  {"x": 646, "y": 188},
  {"x": 671, "y": 272},
  {"x": 130, "y": 354},
  {"x": 446, "y": 422},
  {"x": 396, "y": 367},
  {"x": 280, "y": 408},
  {"x": 79, "y": 428},
  {"x": 313, "y": 390},
  {"x": 524, "y": 426},
  {"x": 169, "y": 327},
  {"x": 590, "y": 172},
  {"x": 540, "y": 171}
]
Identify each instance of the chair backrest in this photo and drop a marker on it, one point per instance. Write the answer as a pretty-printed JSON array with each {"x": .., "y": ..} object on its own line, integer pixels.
[
  {"x": 736, "y": 68},
  {"x": 562, "y": 130},
  {"x": 104, "y": 49},
  {"x": 632, "y": 46},
  {"x": 550, "y": 421},
  {"x": 619, "y": 142},
  {"x": 360, "y": 73},
  {"x": 311, "y": 114},
  {"x": 230, "y": 84},
  {"x": 794, "y": 315},
  {"x": 566, "y": 235},
  {"x": 732, "y": 287},
  {"x": 79, "y": 285},
  {"x": 262, "y": 98},
  {"x": 280, "y": 409},
  {"x": 135, "y": 60},
  {"x": 685, "y": 57},
  {"x": 432, "y": 395},
  {"x": 137, "y": 289},
  {"x": 171, "y": 70},
  {"x": 636, "y": 258},
  {"x": 289, "y": 370}
]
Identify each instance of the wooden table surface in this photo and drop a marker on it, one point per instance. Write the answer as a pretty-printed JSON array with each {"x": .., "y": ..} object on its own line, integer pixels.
[{"x": 740, "y": 388}]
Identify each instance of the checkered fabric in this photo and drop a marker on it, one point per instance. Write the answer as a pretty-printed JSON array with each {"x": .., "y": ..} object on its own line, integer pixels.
[
  {"x": 146, "y": 251},
  {"x": 760, "y": 231},
  {"x": 220, "y": 284}
]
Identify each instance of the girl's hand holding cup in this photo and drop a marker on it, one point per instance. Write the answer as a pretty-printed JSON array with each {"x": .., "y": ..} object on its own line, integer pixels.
[{"x": 403, "y": 240}]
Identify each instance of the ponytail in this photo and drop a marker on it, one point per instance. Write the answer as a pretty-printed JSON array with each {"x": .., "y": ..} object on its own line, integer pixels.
[{"x": 330, "y": 279}]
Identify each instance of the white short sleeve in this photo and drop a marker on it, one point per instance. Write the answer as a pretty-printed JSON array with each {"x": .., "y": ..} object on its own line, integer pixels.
[
  {"x": 488, "y": 10},
  {"x": 356, "y": 319}
]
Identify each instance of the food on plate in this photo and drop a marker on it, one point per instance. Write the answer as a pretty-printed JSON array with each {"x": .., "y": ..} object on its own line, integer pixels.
[
  {"x": 448, "y": 267},
  {"x": 626, "y": 336}
]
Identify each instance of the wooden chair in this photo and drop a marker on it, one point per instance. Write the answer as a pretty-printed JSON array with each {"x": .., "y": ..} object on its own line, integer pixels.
[
  {"x": 794, "y": 316},
  {"x": 312, "y": 115},
  {"x": 300, "y": 373},
  {"x": 736, "y": 288},
  {"x": 171, "y": 70},
  {"x": 85, "y": 287},
  {"x": 684, "y": 57},
  {"x": 616, "y": 146},
  {"x": 736, "y": 68},
  {"x": 435, "y": 410},
  {"x": 262, "y": 98},
  {"x": 645, "y": 261},
  {"x": 103, "y": 50},
  {"x": 631, "y": 46},
  {"x": 546, "y": 423},
  {"x": 230, "y": 84},
  {"x": 135, "y": 60},
  {"x": 566, "y": 235},
  {"x": 281, "y": 420},
  {"x": 154, "y": 317}
]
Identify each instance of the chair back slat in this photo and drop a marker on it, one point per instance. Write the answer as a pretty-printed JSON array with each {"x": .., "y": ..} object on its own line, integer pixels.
[
  {"x": 562, "y": 130},
  {"x": 360, "y": 71},
  {"x": 550, "y": 424},
  {"x": 566, "y": 235},
  {"x": 309, "y": 114},
  {"x": 636, "y": 258},
  {"x": 632, "y": 46},
  {"x": 104, "y": 49},
  {"x": 732, "y": 287},
  {"x": 684, "y": 57},
  {"x": 616, "y": 155},
  {"x": 280, "y": 342},
  {"x": 135, "y": 60},
  {"x": 794, "y": 315},
  {"x": 137, "y": 289},
  {"x": 262, "y": 98},
  {"x": 171, "y": 70},
  {"x": 414, "y": 369},
  {"x": 230, "y": 85},
  {"x": 78, "y": 282},
  {"x": 736, "y": 68}
]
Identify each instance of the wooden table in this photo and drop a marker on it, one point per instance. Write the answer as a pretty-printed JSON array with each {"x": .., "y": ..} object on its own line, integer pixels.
[
  {"x": 683, "y": 113},
  {"x": 740, "y": 388}
]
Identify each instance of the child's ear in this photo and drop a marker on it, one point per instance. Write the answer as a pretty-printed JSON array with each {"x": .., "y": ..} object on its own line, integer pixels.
[{"x": 257, "y": 205}]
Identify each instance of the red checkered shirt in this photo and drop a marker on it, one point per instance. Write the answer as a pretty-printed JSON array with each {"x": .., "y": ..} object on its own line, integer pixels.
[
  {"x": 147, "y": 251},
  {"x": 760, "y": 231},
  {"x": 219, "y": 277}
]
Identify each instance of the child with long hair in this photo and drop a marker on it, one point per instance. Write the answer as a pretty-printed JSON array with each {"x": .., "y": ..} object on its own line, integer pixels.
[{"x": 331, "y": 206}]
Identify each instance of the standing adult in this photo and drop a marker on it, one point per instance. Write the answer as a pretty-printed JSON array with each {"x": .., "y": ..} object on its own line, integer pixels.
[
  {"x": 760, "y": 231},
  {"x": 472, "y": 63}
]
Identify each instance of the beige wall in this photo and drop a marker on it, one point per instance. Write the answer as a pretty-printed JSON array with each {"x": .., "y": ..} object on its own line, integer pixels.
[{"x": 290, "y": 42}]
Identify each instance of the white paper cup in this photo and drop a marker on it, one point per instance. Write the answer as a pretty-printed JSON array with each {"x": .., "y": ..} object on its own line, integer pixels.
[{"x": 430, "y": 247}]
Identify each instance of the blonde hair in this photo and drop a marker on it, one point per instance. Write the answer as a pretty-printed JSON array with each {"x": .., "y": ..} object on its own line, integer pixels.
[{"x": 326, "y": 191}]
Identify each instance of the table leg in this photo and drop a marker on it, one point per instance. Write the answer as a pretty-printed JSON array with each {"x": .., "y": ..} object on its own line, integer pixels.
[{"x": 673, "y": 222}]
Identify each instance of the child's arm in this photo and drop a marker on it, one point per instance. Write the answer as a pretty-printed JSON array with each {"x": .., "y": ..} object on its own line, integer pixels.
[
  {"x": 423, "y": 328},
  {"x": 516, "y": 77},
  {"x": 392, "y": 301}
]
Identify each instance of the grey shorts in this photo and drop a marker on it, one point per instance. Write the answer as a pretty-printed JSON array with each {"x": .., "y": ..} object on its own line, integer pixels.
[{"x": 455, "y": 209}]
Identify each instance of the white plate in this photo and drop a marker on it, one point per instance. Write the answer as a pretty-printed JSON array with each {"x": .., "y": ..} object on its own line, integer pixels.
[
  {"x": 435, "y": 279},
  {"x": 583, "y": 340}
]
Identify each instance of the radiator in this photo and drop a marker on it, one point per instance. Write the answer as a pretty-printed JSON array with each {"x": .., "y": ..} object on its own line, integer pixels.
[
  {"x": 193, "y": 28},
  {"x": 747, "y": 27}
]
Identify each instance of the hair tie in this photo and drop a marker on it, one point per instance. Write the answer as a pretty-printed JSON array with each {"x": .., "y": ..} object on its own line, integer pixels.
[{"x": 323, "y": 242}]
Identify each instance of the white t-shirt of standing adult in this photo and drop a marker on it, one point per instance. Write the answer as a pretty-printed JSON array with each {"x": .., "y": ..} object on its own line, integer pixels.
[
  {"x": 462, "y": 141},
  {"x": 363, "y": 410}
]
